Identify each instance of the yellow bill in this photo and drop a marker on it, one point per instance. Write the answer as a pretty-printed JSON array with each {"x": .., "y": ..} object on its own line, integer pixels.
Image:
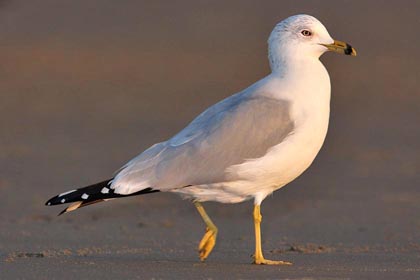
[{"x": 341, "y": 47}]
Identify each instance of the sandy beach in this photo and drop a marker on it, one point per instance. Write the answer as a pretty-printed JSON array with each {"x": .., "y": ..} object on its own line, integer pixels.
[{"x": 87, "y": 86}]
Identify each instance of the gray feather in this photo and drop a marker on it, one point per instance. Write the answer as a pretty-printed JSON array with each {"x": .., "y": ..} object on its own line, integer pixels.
[{"x": 239, "y": 128}]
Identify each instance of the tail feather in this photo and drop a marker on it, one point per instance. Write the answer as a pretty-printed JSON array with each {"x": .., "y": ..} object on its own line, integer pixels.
[{"x": 90, "y": 195}]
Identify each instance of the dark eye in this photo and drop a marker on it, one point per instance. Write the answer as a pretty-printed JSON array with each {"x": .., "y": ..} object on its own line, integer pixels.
[{"x": 306, "y": 33}]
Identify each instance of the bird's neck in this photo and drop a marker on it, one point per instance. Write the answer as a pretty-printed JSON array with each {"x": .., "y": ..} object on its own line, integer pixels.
[
  {"x": 281, "y": 66},
  {"x": 306, "y": 78},
  {"x": 298, "y": 68}
]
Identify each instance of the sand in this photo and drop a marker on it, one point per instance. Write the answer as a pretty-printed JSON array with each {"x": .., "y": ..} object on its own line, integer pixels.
[{"x": 82, "y": 86}]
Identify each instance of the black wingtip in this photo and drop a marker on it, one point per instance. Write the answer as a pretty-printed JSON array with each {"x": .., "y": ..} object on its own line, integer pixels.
[
  {"x": 89, "y": 195},
  {"x": 48, "y": 203},
  {"x": 54, "y": 201},
  {"x": 76, "y": 194}
]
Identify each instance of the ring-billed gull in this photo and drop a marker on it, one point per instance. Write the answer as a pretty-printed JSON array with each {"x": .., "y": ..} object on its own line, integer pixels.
[{"x": 247, "y": 145}]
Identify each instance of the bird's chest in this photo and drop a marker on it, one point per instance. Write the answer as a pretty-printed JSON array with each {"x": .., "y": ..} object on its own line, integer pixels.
[
  {"x": 311, "y": 121},
  {"x": 310, "y": 111}
]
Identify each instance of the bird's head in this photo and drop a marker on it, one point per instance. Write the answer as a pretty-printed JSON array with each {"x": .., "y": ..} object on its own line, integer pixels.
[{"x": 302, "y": 37}]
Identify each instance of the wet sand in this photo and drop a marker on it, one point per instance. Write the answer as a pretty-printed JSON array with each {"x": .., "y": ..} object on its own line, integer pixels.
[{"x": 86, "y": 86}]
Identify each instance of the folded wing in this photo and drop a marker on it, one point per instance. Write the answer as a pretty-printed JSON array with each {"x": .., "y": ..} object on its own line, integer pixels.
[{"x": 239, "y": 128}]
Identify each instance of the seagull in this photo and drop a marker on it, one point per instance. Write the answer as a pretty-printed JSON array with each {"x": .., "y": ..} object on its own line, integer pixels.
[{"x": 244, "y": 147}]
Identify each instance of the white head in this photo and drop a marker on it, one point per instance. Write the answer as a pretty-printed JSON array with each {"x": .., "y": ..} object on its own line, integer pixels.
[{"x": 301, "y": 37}]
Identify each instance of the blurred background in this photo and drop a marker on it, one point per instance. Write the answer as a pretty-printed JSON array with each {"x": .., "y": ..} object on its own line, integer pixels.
[{"x": 87, "y": 85}]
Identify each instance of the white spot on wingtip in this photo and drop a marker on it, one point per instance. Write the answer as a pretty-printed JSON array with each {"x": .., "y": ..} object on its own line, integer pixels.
[
  {"x": 105, "y": 190},
  {"x": 49, "y": 203},
  {"x": 64, "y": 193},
  {"x": 63, "y": 200},
  {"x": 85, "y": 196}
]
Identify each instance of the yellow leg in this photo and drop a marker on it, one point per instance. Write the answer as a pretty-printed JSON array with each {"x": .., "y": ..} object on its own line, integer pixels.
[
  {"x": 209, "y": 239},
  {"x": 258, "y": 257}
]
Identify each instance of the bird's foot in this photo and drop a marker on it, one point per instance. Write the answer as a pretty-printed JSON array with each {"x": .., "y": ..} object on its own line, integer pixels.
[
  {"x": 207, "y": 243},
  {"x": 261, "y": 260}
]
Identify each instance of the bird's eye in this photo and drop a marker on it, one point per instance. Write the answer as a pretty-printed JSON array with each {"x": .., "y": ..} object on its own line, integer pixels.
[{"x": 306, "y": 33}]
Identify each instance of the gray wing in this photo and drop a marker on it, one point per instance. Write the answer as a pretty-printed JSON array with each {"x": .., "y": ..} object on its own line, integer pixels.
[{"x": 230, "y": 132}]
